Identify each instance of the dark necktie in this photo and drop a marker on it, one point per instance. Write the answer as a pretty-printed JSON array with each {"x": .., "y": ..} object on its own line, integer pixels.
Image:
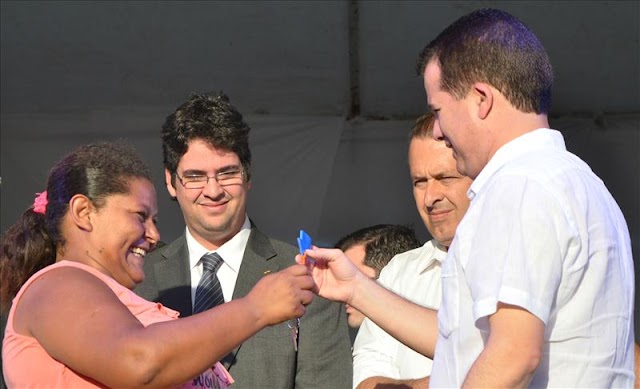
[{"x": 209, "y": 291}]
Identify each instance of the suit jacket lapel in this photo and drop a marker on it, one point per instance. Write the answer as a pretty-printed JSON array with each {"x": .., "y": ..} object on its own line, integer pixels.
[
  {"x": 255, "y": 265},
  {"x": 173, "y": 272}
]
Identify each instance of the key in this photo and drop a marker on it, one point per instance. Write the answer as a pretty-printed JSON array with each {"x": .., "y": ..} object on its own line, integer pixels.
[
  {"x": 294, "y": 328},
  {"x": 304, "y": 243}
]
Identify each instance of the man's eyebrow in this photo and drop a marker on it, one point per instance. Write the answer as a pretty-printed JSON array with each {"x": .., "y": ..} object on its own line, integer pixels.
[
  {"x": 229, "y": 167},
  {"x": 419, "y": 176}
]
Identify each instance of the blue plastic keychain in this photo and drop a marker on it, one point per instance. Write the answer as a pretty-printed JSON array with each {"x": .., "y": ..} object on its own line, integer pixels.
[{"x": 304, "y": 243}]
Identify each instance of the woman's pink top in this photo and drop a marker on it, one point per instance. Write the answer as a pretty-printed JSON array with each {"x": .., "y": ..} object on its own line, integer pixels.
[{"x": 27, "y": 365}]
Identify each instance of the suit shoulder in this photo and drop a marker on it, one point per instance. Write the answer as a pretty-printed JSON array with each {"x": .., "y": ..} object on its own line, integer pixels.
[
  {"x": 155, "y": 256},
  {"x": 262, "y": 243},
  {"x": 285, "y": 254},
  {"x": 283, "y": 247},
  {"x": 165, "y": 251}
]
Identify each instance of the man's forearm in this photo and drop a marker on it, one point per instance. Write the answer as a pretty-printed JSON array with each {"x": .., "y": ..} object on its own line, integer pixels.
[
  {"x": 390, "y": 383},
  {"x": 495, "y": 370},
  {"x": 412, "y": 324}
]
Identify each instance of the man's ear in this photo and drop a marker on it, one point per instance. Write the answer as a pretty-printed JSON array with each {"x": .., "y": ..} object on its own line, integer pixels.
[
  {"x": 484, "y": 98},
  {"x": 168, "y": 181},
  {"x": 80, "y": 210}
]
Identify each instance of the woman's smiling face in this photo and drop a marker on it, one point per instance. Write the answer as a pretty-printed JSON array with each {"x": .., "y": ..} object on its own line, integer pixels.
[{"x": 124, "y": 232}]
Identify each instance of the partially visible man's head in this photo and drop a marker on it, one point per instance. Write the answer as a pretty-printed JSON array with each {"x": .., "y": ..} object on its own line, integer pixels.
[
  {"x": 371, "y": 248},
  {"x": 440, "y": 192}
]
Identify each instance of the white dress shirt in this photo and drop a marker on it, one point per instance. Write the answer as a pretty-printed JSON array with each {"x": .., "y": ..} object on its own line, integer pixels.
[
  {"x": 231, "y": 253},
  {"x": 543, "y": 233},
  {"x": 414, "y": 275}
]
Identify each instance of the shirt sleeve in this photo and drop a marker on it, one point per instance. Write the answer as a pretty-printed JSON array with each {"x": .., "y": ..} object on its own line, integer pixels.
[{"x": 374, "y": 353}]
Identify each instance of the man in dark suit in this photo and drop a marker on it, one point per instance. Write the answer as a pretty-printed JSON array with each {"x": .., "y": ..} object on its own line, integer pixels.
[{"x": 207, "y": 170}]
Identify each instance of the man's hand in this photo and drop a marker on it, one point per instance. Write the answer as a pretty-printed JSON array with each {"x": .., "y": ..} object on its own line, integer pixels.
[
  {"x": 337, "y": 278},
  {"x": 334, "y": 274}
]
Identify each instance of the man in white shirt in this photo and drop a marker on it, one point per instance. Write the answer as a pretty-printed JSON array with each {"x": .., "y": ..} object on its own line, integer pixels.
[
  {"x": 440, "y": 195},
  {"x": 538, "y": 284},
  {"x": 539, "y": 281}
]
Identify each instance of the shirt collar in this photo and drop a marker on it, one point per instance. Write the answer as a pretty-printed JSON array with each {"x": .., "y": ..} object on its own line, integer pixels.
[
  {"x": 435, "y": 252},
  {"x": 231, "y": 251},
  {"x": 542, "y": 138}
]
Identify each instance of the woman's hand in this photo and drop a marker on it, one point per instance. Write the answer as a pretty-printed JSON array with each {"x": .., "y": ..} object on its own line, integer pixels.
[{"x": 283, "y": 295}]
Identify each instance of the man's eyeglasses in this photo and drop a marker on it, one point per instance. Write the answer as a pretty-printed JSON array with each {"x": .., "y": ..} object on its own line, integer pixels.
[{"x": 199, "y": 181}]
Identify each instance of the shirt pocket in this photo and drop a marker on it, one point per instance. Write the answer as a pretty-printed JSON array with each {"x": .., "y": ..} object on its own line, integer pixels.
[{"x": 449, "y": 312}]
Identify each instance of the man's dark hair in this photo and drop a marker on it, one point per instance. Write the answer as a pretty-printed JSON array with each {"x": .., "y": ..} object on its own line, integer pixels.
[
  {"x": 210, "y": 118},
  {"x": 381, "y": 243},
  {"x": 494, "y": 47}
]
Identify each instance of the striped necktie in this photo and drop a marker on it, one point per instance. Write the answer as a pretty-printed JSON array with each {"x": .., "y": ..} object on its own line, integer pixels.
[{"x": 209, "y": 292}]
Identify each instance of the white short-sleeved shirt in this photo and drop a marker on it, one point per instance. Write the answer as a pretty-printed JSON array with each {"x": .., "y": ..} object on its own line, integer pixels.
[
  {"x": 414, "y": 275},
  {"x": 543, "y": 233}
]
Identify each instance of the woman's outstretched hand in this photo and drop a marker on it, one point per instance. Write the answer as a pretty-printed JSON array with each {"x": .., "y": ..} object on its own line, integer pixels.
[{"x": 283, "y": 295}]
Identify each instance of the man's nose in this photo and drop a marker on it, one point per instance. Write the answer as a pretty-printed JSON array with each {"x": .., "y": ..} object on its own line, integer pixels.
[
  {"x": 432, "y": 194},
  {"x": 437, "y": 131}
]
